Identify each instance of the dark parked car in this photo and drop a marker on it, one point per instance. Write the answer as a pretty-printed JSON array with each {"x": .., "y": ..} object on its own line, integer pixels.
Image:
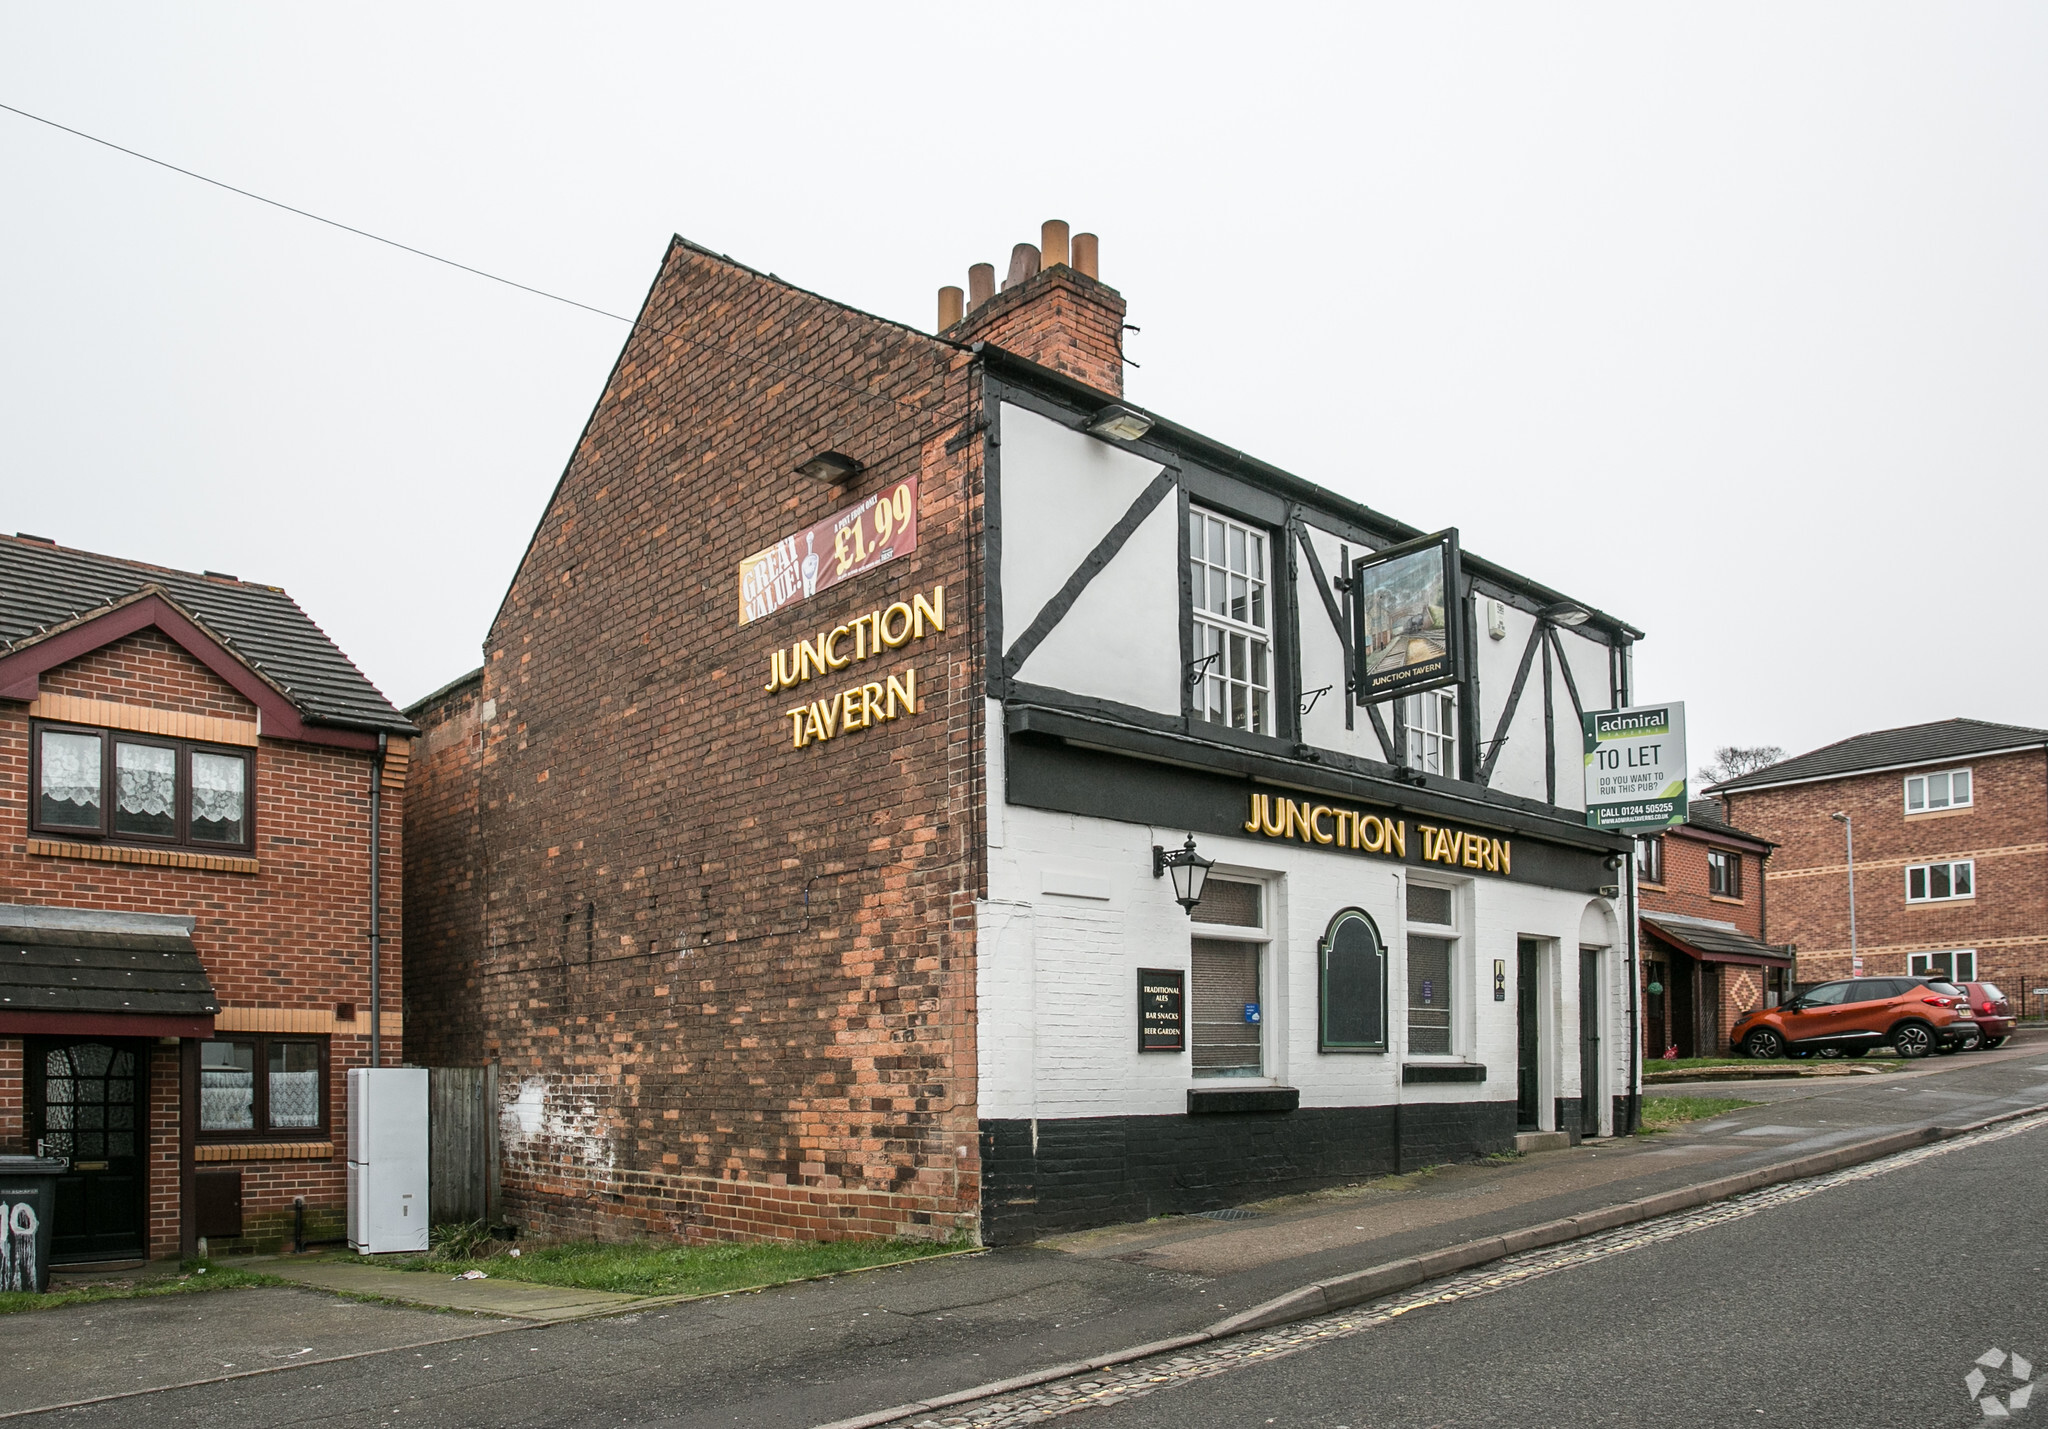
[
  {"x": 1916, "y": 1015},
  {"x": 1994, "y": 1015}
]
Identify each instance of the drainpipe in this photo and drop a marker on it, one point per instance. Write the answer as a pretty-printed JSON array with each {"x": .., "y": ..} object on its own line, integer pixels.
[{"x": 376, "y": 903}]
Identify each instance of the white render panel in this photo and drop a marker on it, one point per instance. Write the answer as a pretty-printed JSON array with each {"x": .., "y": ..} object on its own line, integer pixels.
[
  {"x": 1322, "y": 660},
  {"x": 1061, "y": 491},
  {"x": 1121, "y": 639},
  {"x": 1057, "y": 979},
  {"x": 1519, "y": 770}
]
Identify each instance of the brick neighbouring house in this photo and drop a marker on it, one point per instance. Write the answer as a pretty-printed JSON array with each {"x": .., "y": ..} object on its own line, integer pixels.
[
  {"x": 793, "y": 852},
  {"x": 185, "y": 775},
  {"x": 1704, "y": 922},
  {"x": 1950, "y": 823}
]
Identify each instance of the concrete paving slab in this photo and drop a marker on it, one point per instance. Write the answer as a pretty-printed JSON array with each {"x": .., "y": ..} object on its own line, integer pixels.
[
  {"x": 119, "y": 1346},
  {"x": 509, "y": 1299}
]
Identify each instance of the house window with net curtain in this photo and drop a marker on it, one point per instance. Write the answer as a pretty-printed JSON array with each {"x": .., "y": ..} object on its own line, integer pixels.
[
  {"x": 139, "y": 789},
  {"x": 261, "y": 1086}
]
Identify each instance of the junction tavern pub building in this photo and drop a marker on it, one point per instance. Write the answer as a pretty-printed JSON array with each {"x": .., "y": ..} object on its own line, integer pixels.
[{"x": 909, "y": 791}]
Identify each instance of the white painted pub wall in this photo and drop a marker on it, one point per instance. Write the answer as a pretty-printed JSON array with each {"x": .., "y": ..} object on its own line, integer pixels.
[{"x": 1074, "y": 911}]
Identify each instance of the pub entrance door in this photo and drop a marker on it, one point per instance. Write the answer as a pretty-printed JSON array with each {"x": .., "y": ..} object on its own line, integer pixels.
[
  {"x": 1528, "y": 1081},
  {"x": 1589, "y": 1041},
  {"x": 87, "y": 1100}
]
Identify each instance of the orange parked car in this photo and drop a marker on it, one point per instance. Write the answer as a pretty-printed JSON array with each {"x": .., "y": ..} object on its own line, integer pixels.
[{"x": 1915, "y": 1015}]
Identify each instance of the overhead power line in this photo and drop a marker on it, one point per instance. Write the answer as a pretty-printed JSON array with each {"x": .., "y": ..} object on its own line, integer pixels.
[{"x": 633, "y": 323}]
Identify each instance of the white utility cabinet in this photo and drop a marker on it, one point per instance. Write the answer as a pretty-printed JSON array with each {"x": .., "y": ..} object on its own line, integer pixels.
[{"x": 387, "y": 1159}]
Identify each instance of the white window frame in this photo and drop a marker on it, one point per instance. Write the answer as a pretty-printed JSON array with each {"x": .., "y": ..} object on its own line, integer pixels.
[
  {"x": 1927, "y": 880},
  {"x": 1432, "y": 748},
  {"x": 1221, "y": 635},
  {"x": 1453, "y": 933},
  {"x": 1921, "y": 964},
  {"x": 1262, "y": 936},
  {"x": 1948, "y": 778}
]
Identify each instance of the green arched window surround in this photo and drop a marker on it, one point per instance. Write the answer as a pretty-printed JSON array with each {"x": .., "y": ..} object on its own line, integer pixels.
[{"x": 1352, "y": 978}]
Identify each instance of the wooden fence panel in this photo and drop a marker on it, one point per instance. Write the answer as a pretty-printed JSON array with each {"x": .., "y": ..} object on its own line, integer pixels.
[{"x": 462, "y": 1143}]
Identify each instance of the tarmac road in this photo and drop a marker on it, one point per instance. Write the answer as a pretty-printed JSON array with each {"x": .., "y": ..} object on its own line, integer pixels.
[{"x": 1867, "y": 1303}]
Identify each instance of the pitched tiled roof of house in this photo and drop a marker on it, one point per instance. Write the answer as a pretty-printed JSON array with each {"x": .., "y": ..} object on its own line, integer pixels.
[
  {"x": 1890, "y": 748},
  {"x": 43, "y": 585},
  {"x": 1703, "y": 935},
  {"x": 1711, "y": 815}
]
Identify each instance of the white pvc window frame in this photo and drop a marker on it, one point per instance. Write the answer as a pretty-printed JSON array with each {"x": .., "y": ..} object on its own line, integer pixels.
[
  {"x": 1431, "y": 719},
  {"x": 1922, "y": 791},
  {"x": 1231, "y": 590},
  {"x": 1957, "y": 876}
]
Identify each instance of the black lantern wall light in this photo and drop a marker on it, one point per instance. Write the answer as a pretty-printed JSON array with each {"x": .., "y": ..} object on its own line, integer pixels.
[{"x": 1189, "y": 869}]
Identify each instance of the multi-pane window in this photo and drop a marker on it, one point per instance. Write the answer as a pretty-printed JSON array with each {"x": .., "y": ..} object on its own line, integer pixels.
[
  {"x": 1228, "y": 1010},
  {"x": 262, "y": 1086},
  {"x": 1953, "y": 966},
  {"x": 136, "y": 788},
  {"x": 1949, "y": 789},
  {"x": 1432, "y": 949},
  {"x": 1228, "y": 580},
  {"x": 1650, "y": 858},
  {"x": 1724, "y": 873},
  {"x": 1932, "y": 882},
  {"x": 1431, "y": 719}
]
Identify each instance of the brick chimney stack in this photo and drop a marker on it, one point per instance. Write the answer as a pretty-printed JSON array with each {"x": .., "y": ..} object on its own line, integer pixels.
[{"x": 1053, "y": 309}]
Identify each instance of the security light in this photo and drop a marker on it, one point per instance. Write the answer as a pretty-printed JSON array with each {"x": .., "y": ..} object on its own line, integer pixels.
[
  {"x": 1566, "y": 613},
  {"x": 1120, "y": 424},
  {"x": 832, "y": 468},
  {"x": 1189, "y": 869}
]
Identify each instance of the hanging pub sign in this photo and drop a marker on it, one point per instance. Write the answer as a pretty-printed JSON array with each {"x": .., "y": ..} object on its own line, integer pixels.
[
  {"x": 1635, "y": 767},
  {"x": 1162, "y": 997},
  {"x": 1404, "y": 622},
  {"x": 873, "y": 530}
]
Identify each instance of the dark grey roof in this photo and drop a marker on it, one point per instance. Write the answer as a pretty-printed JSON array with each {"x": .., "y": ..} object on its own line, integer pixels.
[
  {"x": 1710, "y": 815},
  {"x": 44, "y": 969},
  {"x": 43, "y": 585},
  {"x": 1711, "y": 937},
  {"x": 1888, "y": 748}
]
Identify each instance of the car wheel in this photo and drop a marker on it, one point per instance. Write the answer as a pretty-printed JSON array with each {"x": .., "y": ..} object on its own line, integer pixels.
[
  {"x": 1855, "y": 1051},
  {"x": 1913, "y": 1039},
  {"x": 1989, "y": 1042},
  {"x": 1829, "y": 1052},
  {"x": 1764, "y": 1044}
]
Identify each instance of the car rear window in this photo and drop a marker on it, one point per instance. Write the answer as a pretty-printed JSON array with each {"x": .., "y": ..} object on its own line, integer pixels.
[
  {"x": 1945, "y": 988},
  {"x": 1991, "y": 992}
]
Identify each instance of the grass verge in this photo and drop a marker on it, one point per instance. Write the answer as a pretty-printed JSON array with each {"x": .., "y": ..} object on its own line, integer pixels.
[
  {"x": 193, "y": 1277},
  {"x": 657, "y": 1268},
  {"x": 1663, "y": 1113}
]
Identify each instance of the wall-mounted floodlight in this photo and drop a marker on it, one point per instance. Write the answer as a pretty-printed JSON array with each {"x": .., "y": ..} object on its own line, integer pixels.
[
  {"x": 832, "y": 468},
  {"x": 1566, "y": 613},
  {"x": 1189, "y": 869},
  {"x": 1119, "y": 423}
]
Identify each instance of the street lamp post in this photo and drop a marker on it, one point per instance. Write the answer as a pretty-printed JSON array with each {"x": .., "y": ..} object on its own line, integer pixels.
[{"x": 1849, "y": 838}]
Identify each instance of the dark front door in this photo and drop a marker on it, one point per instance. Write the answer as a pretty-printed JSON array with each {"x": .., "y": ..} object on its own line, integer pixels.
[
  {"x": 1526, "y": 1107},
  {"x": 1589, "y": 1042},
  {"x": 86, "y": 1102}
]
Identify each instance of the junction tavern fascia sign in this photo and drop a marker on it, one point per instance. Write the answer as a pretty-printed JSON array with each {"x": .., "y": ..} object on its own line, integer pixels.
[{"x": 1276, "y": 818}]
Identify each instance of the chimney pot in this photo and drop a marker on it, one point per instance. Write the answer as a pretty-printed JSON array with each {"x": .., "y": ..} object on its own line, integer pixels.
[
  {"x": 1023, "y": 265},
  {"x": 981, "y": 284},
  {"x": 1052, "y": 241},
  {"x": 1086, "y": 259},
  {"x": 950, "y": 307}
]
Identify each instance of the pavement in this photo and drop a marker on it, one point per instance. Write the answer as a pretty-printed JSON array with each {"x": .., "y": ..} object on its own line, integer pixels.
[
  {"x": 506, "y": 1299},
  {"x": 807, "y": 1354}
]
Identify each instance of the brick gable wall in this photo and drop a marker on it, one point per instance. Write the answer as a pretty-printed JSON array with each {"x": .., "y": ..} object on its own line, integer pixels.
[
  {"x": 293, "y": 935},
  {"x": 729, "y": 982},
  {"x": 1684, "y": 889},
  {"x": 1057, "y": 318},
  {"x": 2005, "y": 831}
]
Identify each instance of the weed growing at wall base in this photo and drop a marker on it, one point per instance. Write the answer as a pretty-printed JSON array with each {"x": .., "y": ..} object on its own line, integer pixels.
[{"x": 657, "y": 1268}]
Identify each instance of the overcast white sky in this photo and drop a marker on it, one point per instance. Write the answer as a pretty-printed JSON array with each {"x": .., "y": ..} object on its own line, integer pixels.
[{"x": 1732, "y": 320}]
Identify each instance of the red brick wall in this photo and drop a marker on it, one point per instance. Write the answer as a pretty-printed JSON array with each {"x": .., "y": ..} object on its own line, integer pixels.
[
  {"x": 2005, "y": 831},
  {"x": 1058, "y": 318},
  {"x": 1684, "y": 889},
  {"x": 147, "y": 668},
  {"x": 293, "y": 935},
  {"x": 729, "y": 982},
  {"x": 10, "y": 1098}
]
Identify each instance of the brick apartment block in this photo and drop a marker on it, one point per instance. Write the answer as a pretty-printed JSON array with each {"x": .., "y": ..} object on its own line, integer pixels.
[
  {"x": 146, "y": 932},
  {"x": 1950, "y": 823}
]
